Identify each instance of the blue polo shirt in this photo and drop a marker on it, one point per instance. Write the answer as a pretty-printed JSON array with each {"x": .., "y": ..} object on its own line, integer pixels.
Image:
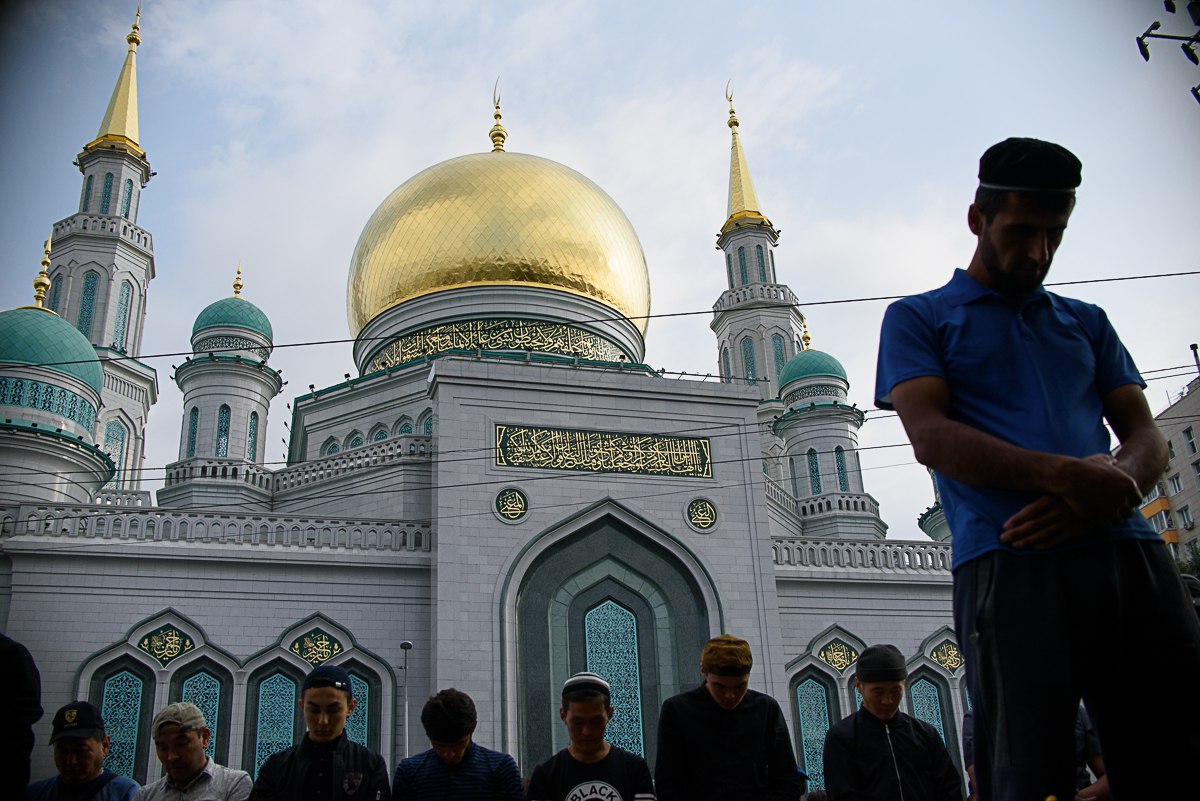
[{"x": 1035, "y": 375}]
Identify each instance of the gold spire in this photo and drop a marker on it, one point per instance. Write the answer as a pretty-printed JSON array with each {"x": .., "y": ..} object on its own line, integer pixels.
[
  {"x": 804, "y": 337},
  {"x": 237, "y": 281},
  {"x": 41, "y": 283},
  {"x": 498, "y": 134},
  {"x": 743, "y": 201},
  {"x": 119, "y": 128}
]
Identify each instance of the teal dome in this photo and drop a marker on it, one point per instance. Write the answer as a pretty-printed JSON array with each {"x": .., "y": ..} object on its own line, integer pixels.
[
  {"x": 811, "y": 364},
  {"x": 234, "y": 313},
  {"x": 43, "y": 339}
]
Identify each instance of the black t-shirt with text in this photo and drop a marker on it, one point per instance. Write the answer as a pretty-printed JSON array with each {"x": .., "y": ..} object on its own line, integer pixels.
[{"x": 620, "y": 776}]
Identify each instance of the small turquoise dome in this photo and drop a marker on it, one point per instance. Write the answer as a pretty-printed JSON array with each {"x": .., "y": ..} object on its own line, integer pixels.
[
  {"x": 810, "y": 364},
  {"x": 43, "y": 339},
  {"x": 234, "y": 313}
]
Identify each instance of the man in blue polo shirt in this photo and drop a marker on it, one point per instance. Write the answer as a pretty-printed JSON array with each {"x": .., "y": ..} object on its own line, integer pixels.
[{"x": 1061, "y": 589}]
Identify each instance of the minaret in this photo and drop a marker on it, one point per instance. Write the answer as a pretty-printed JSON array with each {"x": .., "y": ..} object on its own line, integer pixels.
[
  {"x": 102, "y": 268},
  {"x": 756, "y": 321},
  {"x": 227, "y": 390}
]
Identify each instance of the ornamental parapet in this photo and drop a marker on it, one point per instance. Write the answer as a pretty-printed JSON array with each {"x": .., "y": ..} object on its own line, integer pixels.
[
  {"x": 913, "y": 558},
  {"x": 109, "y": 226},
  {"x": 124, "y": 498},
  {"x": 406, "y": 447},
  {"x": 755, "y": 293},
  {"x": 65, "y": 522},
  {"x": 777, "y": 494}
]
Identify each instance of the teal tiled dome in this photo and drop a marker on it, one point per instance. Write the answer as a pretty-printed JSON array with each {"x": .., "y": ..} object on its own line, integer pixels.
[
  {"x": 811, "y": 364},
  {"x": 234, "y": 313},
  {"x": 36, "y": 337}
]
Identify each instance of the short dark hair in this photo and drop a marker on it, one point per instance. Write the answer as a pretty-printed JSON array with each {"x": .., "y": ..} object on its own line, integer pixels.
[
  {"x": 585, "y": 696},
  {"x": 993, "y": 201},
  {"x": 448, "y": 716}
]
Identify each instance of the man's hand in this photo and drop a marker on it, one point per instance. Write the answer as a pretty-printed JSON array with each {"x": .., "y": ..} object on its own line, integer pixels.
[
  {"x": 1046, "y": 522},
  {"x": 1097, "y": 490},
  {"x": 1096, "y": 792}
]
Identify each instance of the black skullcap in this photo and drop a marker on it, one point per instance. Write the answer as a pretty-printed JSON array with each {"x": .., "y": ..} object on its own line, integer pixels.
[
  {"x": 881, "y": 663},
  {"x": 328, "y": 676},
  {"x": 1029, "y": 165}
]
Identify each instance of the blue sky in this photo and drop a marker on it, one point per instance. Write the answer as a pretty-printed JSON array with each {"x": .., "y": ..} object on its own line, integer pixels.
[{"x": 276, "y": 128}]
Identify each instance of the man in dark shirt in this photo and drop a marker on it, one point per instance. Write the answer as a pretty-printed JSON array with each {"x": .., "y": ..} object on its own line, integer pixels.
[
  {"x": 456, "y": 768},
  {"x": 326, "y": 765},
  {"x": 881, "y": 754},
  {"x": 590, "y": 768},
  {"x": 723, "y": 741}
]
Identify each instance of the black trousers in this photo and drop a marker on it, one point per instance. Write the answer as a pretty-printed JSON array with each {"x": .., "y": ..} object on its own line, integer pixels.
[{"x": 1110, "y": 622}]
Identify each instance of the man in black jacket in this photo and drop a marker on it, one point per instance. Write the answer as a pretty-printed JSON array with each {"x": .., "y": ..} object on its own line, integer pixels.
[
  {"x": 881, "y": 754},
  {"x": 723, "y": 741},
  {"x": 326, "y": 765}
]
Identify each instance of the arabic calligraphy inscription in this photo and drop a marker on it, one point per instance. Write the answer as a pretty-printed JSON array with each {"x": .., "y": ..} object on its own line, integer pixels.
[{"x": 602, "y": 451}]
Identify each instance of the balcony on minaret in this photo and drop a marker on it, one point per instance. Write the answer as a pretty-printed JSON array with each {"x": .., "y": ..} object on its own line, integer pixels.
[
  {"x": 105, "y": 226},
  {"x": 756, "y": 294}
]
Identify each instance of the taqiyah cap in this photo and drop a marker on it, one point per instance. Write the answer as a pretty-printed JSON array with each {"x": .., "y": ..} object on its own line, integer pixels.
[
  {"x": 78, "y": 720},
  {"x": 881, "y": 663},
  {"x": 589, "y": 682},
  {"x": 727, "y": 655},
  {"x": 1029, "y": 165},
  {"x": 187, "y": 717}
]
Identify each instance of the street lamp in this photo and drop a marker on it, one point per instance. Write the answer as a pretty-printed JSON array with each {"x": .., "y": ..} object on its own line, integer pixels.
[{"x": 406, "y": 646}]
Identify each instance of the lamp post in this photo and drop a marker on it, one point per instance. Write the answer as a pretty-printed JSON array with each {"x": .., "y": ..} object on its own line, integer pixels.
[
  {"x": 1189, "y": 43},
  {"x": 406, "y": 646}
]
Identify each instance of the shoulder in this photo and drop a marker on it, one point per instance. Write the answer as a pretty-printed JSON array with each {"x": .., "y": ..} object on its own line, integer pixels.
[
  {"x": 43, "y": 788},
  {"x": 843, "y": 729},
  {"x": 122, "y": 787},
  {"x": 230, "y": 774}
]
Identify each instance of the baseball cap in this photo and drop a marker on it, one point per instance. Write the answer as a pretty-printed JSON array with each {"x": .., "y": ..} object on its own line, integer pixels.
[{"x": 78, "y": 720}]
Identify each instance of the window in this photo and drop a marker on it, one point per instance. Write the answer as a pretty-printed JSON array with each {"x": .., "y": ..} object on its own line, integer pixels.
[
  {"x": 332, "y": 448},
  {"x": 121, "y": 327},
  {"x": 223, "y": 431},
  {"x": 252, "y": 437},
  {"x": 1170, "y": 450},
  {"x": 728, "y": 373},
  {"x": 87, "y": 193},
  {"x": 380, "y": 435},
  {"x": 839, "y": 457},
  {"x": 106, "y": 195},
  {"x": 1189, "y": 440},
  {"x": 813, "y": 715},
  {"x": 1196, "y": 472},
  {"x": 356, "y": 441},
  {"x": 405, "y": 428},
  {"x": 358, "y": 725},
  {"x": 429, "y": 426},
  {"x": 204, "y": 690},
  {"x": 128, "y": 198},
  {"x": 792, "y": 468},
  {"x": 814, "y": 472},
  {"x": 1185, "y": 518},
  {"x": 780, "y": 355},
  {"x": 56, "y": 292},
  {"x": 275, "y": 721},
  {"x": 87, "y": 304},
  {"x": 729, "y": 269},
  {"x": 611, "y": 642},
  {"x": 1161, "y": 521},
  {"x": 1174, "y": 485},
  {"x": 1153, "y": 493},
  {"x": 114, "y": 445},
  {"x": 745, "y": 276},
  {"x": 926, "y": 702},
  {"x": 748, "y": 360},
  {"x": 762, "y": 264},
  {"x": 193, "y": 425}
]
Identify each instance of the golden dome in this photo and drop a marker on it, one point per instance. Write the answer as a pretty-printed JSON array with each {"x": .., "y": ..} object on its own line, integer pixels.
[{"x": 498, "y": 219}]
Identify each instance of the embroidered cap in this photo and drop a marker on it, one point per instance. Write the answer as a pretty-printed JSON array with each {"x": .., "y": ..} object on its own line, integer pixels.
[{"x": 727, "y": 655}]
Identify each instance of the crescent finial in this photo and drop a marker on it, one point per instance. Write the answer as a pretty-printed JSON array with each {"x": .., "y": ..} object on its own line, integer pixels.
[
  {"x": 729, "y": 93},
  {"x": 496, "y": 93}
]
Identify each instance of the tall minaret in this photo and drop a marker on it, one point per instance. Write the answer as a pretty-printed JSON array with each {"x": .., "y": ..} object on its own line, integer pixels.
[
  {"x": 103, "y": 265},
  {"x": 756, "y": 321}
]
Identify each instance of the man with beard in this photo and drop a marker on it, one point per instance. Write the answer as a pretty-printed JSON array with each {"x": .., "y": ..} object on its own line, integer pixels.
[{"x": 1004, "y": 390}]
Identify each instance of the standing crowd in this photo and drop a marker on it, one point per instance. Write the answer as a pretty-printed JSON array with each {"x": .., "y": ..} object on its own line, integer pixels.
[{"x": 1005, "y": 390}]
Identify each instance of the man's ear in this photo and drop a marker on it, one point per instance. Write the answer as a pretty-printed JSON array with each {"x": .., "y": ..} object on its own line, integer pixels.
[
  {"x": 350, "y": 706},
  {"x": 562, "y": 714},
  {"x": 975, "y": 219}
]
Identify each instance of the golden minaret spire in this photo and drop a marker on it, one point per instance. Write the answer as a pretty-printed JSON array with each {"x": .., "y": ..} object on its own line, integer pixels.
[
  {"x": 237, "y": 281},
  {"x": 743, "y": 201},
  {"x": 120, "y": 124},
  {"x": 498, "y": 134}
]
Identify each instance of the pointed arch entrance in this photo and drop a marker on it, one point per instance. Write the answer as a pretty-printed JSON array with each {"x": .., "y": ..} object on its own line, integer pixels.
[{"x": 610, "y": 592}]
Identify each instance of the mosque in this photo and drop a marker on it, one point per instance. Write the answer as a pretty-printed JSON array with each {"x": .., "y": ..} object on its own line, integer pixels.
[{"x": 501, "y": 495}]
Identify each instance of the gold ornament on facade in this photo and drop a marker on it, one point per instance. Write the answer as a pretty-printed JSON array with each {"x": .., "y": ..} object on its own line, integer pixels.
[
  {"x": 166, "y": 645},
  {"x": 316, "y": 647},
  {"x": 602, "y": 452},
  {"x": 498, "y": 219},
  {"x": 838, "y": 655},
  {"x": 511, "y": 504},
  {"x": 532, "y": 335},
  {"x": 702, "y": 514},
  {"x": 948, "y": 656}
]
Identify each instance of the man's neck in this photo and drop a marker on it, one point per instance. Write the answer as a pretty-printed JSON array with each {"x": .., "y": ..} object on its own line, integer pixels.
[{"x": 590, "y": 757}]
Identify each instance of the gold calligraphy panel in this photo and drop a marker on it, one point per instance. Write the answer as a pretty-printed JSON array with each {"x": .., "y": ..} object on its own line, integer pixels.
[
  {"x": 702, "y": 514},
  {"x": 316, "y": 647},
  {"x": 602, "y": 452},
  {"x": 511, "y": 504},
  {"x": 541, "y": 337},
  {"x": 166, "y": 645},
  {"x": 948, "y": 656},
  {"x": 838, "y": 655}
]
